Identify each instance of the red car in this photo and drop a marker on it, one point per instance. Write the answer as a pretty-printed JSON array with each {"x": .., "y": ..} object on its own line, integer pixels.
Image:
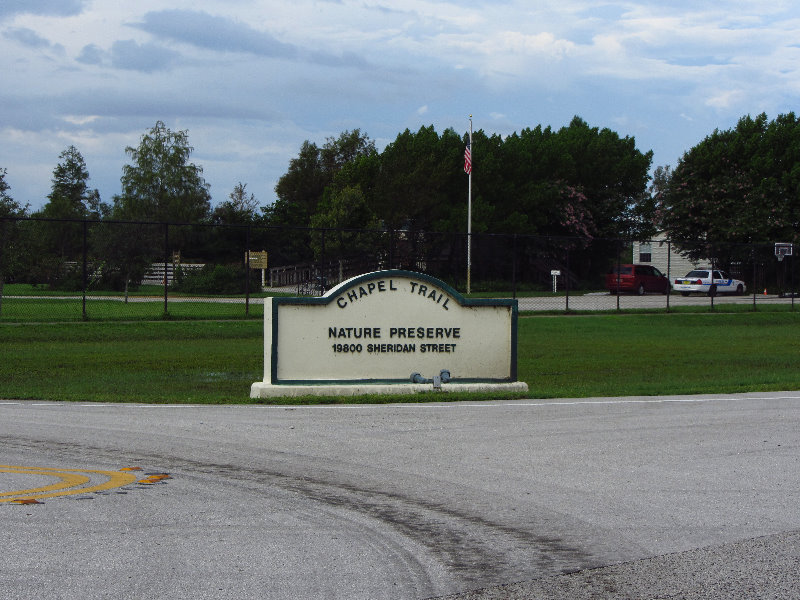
[{"x": 638, "y": 279}]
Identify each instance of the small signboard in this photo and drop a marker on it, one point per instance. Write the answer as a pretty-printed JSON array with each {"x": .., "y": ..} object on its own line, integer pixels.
[
  {"x": 258, "y": 260},
  {"x": 388, "y": 332},
  {"x": 555, "y": 273}
]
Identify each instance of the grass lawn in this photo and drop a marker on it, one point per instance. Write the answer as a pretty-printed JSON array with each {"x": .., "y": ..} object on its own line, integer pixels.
[
  {"x": 559, "y": 356},
  {"x": 98, "y": 309},
  {"x": 27, "y": 289},
  {"x": 131, "y": 362},
  {"x": 659, "y": 354}
]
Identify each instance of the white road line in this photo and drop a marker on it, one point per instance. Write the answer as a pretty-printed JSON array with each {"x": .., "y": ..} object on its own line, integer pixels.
[
  {"x": 511, "y": 403},
  {"x": 655, "y": 400}
]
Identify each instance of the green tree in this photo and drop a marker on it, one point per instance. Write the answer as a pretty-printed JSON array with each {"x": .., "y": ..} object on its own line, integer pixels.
[
  {"x": 232, "y": 218},
  {"x": 301, "y": 189},
  {"x": 10, "y": 251},
  {"x": 8, "y": 206},
  {"x": 239, "y": 209},
  {"x": 419, "y": 180},
  {"x": 580, "y": 182},
  {"x": 59, "y": 243},
  {"x": 600, "y": 174},
  {"x": 737, "y": 186},
  {"x": 346, "y": 149},
  {"x": 161, "y": 184},
  {"x": 346, "y": 215},
  {"x": 70, "y": 196},
  {"x": 125, "y": 251},
  {"x": 511, "y": 175}
]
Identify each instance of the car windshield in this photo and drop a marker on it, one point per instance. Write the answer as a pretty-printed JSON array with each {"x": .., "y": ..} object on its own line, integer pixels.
[
  {"x": 623, "y": 269},
  {"x": 697, "y": 274}
]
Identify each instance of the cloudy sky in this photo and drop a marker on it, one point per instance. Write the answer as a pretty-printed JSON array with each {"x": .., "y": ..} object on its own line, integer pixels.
[{"x": 252, "y": 79}]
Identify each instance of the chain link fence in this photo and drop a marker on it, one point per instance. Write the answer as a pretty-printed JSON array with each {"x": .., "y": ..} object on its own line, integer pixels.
[{"x": 54, "y": 270}]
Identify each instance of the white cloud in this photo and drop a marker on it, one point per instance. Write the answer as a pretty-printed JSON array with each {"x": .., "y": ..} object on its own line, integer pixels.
[
  {"x": 130, "y": 55},
  {"x": 724, "y": 98},
  {"x": 251, "y": 80},
  {"x": 82, "y": 120}
]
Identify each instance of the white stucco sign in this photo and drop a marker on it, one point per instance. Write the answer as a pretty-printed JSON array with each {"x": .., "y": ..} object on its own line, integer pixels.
[{"x": 370, "y": 334}]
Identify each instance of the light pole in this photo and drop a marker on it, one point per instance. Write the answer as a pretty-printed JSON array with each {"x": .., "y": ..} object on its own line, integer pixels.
[{"x": 468, "y": 167}]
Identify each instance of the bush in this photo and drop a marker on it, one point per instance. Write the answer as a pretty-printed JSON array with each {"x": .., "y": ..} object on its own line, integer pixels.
[
  {"x": 212, "y": 279},
  {"x": 67, "y": 281}
]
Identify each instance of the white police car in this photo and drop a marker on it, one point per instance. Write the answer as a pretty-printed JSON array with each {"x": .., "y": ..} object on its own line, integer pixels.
[{"x": 706, "y": 281}]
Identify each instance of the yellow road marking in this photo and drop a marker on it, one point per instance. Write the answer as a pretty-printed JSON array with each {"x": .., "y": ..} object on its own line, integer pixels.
[{"x": 70, "y": 479}]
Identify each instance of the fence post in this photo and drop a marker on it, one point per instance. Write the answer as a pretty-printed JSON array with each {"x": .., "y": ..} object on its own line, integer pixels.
[
  {"x": 84, "y": 270},
  {"x": 669, "y": 272},
  {"x": 566, "y": 287},
  {"x": 2, "y": 239},
  {"x": 753, "y": 254},
  {"x": 514, "y": 268},
  {"x": 322, "y": 279},
  {"x": 791, "y": 277},
  {"x": 619, "y": 266},
  {"x": 247, "y": 274},
  {"x": 711, "y": 291},
  {"x": 166, "y": 262}
]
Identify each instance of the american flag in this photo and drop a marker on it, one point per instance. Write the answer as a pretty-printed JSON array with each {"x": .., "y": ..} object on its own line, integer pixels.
[{"x": 468, "y": 160}]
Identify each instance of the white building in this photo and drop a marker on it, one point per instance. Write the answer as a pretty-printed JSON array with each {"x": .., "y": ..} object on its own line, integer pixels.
[{"x": 661, "y": 254}]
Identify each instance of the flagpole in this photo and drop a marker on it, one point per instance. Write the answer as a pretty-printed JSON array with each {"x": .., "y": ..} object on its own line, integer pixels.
[{"x": 469, "y": 216}]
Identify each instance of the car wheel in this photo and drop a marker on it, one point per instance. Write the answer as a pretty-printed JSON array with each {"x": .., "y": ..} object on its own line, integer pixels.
[
  {"x": 640, "y": 290},
  {"x": 684, "y": 293},
  {"x": 740, "y": 290},
  {"x": 712, "y": 291}
]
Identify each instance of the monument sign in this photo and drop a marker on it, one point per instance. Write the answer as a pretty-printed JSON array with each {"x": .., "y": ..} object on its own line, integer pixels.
[{"x": 388, "y": 332}]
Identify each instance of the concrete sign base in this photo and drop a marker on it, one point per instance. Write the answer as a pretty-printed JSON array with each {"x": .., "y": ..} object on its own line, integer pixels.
[{"x": 267, "y": 390}]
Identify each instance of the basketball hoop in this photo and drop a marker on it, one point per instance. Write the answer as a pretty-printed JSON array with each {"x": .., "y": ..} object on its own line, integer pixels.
[{"x": 782, "y": 249}]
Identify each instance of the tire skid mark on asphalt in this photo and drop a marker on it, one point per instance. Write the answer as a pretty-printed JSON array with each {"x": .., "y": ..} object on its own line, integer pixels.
[
  {"x": 455, "y": 535},
  {"x": 75, "y": 481}
]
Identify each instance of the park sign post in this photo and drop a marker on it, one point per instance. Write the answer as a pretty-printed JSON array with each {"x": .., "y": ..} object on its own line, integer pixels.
[
  {"x": 388, "y": 332},
  {"x": 257, "y": 260}
]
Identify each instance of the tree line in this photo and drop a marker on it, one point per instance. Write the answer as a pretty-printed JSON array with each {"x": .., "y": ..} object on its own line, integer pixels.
[{"x": 585, "y": 186}]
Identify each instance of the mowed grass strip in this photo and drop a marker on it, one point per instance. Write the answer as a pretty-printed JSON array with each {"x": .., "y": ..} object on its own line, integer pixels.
[
  {"x": 20, "y": 310},
  {"x": 154, "y": 362},
  {"x": 562, "y": 356},
  {"x": 659, "y": 354}
]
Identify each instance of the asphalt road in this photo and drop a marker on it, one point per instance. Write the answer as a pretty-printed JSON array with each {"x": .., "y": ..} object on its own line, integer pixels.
[
  {"x": 693, "y": 497},
  {"x": 610, "y": 302}
]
